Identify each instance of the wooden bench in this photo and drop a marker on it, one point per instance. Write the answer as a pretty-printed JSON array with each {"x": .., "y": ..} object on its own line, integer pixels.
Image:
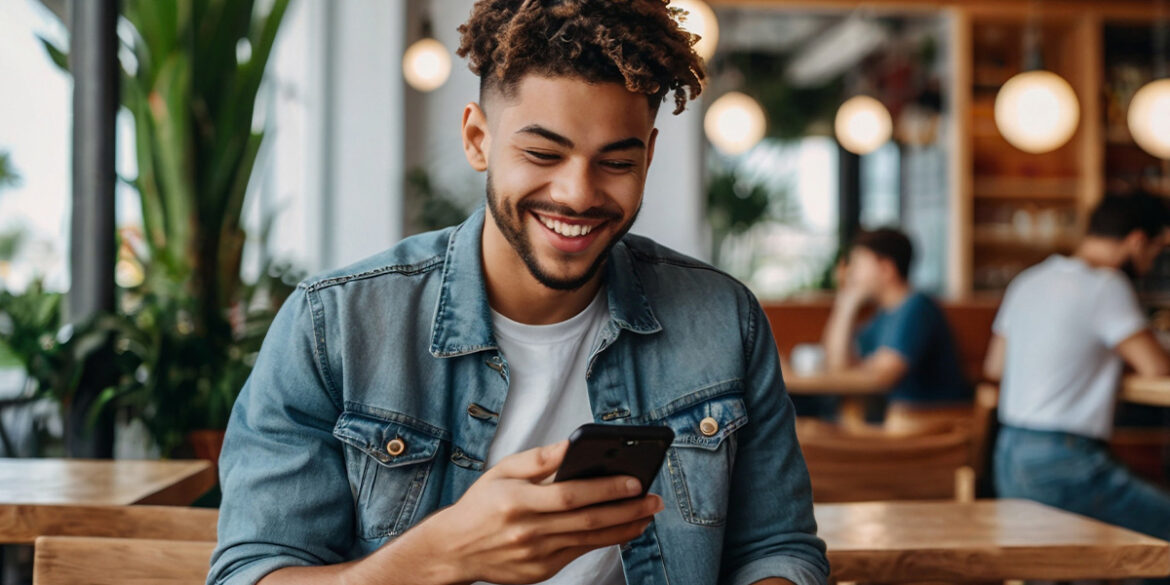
[
  {"x": 74, "y": 560},
  {"x": 23, "y": 523}
]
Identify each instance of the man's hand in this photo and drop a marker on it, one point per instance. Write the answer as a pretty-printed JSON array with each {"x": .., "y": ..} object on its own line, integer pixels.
[{"x": 513, "y": 526}]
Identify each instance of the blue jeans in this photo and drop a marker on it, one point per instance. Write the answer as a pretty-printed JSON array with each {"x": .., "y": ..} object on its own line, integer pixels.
[{"x": 1077, "y": 474}]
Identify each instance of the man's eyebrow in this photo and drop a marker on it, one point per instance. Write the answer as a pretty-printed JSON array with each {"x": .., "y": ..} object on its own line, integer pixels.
[
  {"x": 541, "y": 131},
  {"x": 625, "y": 144}
]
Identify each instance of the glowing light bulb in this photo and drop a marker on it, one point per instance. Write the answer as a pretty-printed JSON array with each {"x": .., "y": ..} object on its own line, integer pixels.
[
  {"x": 1149, "y": 118},
  {"x": 426, "y": 65},
  {"x": 863, "y": 124},
  {"x": 700, "y": 20},
  {"x": 735, "y": 123},
  {"x": 1037, "y": 111}
]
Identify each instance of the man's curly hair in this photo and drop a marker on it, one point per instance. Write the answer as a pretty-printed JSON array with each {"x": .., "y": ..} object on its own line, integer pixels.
[{"x": 637, "y": 43}]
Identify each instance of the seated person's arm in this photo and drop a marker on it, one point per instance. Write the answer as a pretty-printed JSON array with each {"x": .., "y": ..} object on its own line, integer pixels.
[
  {"x": 839, "y": 330},
  {"x": 876, "y": 373},
  {"x": 993, "y": 361},
  {"x": 1143, "y": 352},
  {"x": 1122, "y": 324},
  {"x": 769, "y": 536}
]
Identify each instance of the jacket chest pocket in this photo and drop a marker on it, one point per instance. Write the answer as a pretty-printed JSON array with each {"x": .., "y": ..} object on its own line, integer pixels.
[
  {"x": 388, "y": 464},
  {"x": 701, "y": 459}
]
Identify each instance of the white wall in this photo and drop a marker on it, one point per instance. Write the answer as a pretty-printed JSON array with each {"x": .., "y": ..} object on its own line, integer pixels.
[{"x": 361, "y": 213}]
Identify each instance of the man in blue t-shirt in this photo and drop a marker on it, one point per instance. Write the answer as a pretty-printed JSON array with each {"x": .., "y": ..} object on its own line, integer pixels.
[{"x": 906, "y": 349}]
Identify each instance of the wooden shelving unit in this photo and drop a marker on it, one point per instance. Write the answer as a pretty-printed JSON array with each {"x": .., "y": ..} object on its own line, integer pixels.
[{"x": 1023, "y": 206}]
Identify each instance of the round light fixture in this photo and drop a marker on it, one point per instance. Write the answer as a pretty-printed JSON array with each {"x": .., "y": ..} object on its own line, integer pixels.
[
  {"x": 1149, "y": 118},
  {"x": 700, "y": 20},
  {"x": 1037, "y": 111},
  {"x": 426, "y": 65},
  {"x": 735, "y": 123},
  {"x": 863, "y": 124}
]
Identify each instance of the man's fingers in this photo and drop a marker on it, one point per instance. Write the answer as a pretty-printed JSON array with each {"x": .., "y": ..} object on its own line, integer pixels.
[
  {"x": 533, "y": 464},
  {"x": 602, "y": 516},
  {"x": 579, "y": 493},
  {"x": 581, "y": 542}
]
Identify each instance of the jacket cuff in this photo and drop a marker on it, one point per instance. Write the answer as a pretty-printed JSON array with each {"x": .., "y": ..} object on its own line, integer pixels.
[
  {"x": 797, "y": 570},
  {"x": 249, "y": 573}
]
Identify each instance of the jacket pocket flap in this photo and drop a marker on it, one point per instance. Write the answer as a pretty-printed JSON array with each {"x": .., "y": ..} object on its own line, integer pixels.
[
  {"x": 391, "y": 443},
  {"x": 706, "y": 424}
]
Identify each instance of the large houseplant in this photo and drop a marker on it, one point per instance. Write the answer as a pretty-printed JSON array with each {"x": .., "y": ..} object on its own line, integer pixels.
[{"x": 186, "y": 335}]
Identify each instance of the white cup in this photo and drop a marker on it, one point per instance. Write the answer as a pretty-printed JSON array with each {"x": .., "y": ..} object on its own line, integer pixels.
[{"x": 808, "y": 359}]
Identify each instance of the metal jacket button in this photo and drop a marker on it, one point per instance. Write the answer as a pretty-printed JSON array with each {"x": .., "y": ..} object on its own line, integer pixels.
[
  {"x": 396, "y": 447},
  {"x": 708, "y": 427}
]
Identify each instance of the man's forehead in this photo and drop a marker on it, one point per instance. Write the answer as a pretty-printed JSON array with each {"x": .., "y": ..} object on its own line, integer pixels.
[{"x": 571, "y": 105}]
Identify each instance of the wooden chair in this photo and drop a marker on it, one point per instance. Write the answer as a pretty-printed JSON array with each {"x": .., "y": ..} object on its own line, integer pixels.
[
  {"x": 74, "y": 560},
  {"x": 851, "y": 466},
  {"x": 23, "y": 523},
  {"x": 986, "y": 404}
]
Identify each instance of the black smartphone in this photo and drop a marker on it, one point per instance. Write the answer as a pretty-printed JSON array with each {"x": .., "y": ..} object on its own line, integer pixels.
[{"x": 608, "y": 450}]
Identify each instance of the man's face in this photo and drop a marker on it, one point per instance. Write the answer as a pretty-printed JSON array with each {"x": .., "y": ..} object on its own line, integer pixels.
[
  {"x": 865, "y": 272},
  {"x": 566, "y": 164},
  {"x": 1143, "y": 251}
]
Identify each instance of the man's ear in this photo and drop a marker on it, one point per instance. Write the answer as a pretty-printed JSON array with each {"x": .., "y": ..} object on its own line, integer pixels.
[{"x": 476, "y": 138}]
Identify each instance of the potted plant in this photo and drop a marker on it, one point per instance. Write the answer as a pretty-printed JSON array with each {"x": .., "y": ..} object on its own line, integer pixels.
[{"x": 187, "y": 333}]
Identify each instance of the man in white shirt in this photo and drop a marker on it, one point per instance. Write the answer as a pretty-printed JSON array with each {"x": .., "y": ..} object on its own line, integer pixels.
[{"x": 1064, "y": 332}]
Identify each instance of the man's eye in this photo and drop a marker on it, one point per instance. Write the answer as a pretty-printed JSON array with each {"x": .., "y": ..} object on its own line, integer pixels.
[
  {"x": 620, "y": 165},
  {"x": 541, "y": 155}
]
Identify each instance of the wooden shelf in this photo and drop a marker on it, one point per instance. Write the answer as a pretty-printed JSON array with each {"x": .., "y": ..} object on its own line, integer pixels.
[
  {"x": 1000, "y": 187},
  {"x": 985, "y": 237}
]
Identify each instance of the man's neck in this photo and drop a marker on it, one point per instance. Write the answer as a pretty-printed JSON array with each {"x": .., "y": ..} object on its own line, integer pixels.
[
  {"x": 1100, "y": 253},
  {"x": 514, "y": 293},
  {"x": 893, "y": 295}
]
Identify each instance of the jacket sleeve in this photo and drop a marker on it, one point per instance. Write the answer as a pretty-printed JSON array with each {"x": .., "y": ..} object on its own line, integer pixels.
[
  {"x": 770, "y": 530},
  {"x": 286, "y": 496}
]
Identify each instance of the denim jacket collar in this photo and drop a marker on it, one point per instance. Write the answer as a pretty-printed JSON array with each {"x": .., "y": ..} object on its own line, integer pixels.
[{"x": 462, "y": 323}]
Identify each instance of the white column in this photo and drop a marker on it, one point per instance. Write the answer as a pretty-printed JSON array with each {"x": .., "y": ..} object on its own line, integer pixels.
[{"x": 356, "y": 136}]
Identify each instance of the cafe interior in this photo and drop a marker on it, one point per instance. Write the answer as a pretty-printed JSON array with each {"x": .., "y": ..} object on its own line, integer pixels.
[{"x": 977, "y": 155}]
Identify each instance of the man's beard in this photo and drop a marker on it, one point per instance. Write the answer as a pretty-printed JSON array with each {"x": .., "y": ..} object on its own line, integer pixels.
[{"x": 512, "y": 226}]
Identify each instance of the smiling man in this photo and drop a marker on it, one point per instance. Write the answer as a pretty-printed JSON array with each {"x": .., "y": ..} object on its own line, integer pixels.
[{"x": 406, "y": 414}]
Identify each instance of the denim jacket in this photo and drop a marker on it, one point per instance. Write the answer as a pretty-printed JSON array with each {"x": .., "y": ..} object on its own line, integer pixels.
[{"x": 400, "y": 346}]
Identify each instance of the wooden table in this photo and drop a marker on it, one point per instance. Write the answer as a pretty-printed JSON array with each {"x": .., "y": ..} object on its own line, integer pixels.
[
  {"x": 1151, "y": 390},
  {"x": 103, "y": 482},
  {"x": 852, "y": 392},
  {"x": 988, "y": 540}
]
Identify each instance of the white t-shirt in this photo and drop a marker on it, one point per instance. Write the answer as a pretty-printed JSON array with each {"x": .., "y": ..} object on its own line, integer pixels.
[
  {"x": 547, "y": 400},
  {"x": 1062, "y": 320}
]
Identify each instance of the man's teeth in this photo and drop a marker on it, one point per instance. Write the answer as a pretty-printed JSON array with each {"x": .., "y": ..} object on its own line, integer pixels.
[{"x": 566, "y": 229}]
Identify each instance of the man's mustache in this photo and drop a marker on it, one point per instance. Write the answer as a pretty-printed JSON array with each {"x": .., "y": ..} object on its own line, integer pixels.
[{"x": 568, "y": 212}]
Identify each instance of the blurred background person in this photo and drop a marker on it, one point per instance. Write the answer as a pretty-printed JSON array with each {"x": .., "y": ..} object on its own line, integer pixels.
[
  {"x": 1061, "y": 338},
  {"x": 906, "y": 349}
]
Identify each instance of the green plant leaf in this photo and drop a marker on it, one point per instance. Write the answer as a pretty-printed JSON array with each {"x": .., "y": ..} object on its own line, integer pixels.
[{"x": 57, "y": 55}]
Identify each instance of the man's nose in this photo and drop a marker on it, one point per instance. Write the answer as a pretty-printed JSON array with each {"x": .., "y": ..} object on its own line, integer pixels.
[{"x": 576, "y": 187}]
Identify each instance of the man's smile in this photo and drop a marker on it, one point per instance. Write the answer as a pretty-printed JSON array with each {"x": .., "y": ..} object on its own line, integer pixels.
[{"x": 570, "y": 236}]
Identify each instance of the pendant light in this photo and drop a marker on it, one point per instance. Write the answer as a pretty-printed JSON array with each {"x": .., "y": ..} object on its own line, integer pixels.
[
  {"x": 1149, "y": 111},
  {"x": 1036, "y": 111},
  {"x": 735, "y": 123},
  {"x": 700, "y": 20},
  {"x": 426, "y": 64},
  {"x": 863, "y": 125}
]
